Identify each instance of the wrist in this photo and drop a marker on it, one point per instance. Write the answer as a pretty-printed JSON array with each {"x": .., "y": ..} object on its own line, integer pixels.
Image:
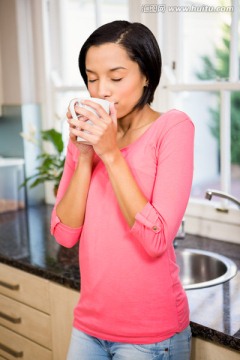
[
  {"x": 85, "y": 161},
  {"x": 111, "y": 158}
]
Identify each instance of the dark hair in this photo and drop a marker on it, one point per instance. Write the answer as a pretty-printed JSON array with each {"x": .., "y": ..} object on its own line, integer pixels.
[{"x": 141, "y": 46}]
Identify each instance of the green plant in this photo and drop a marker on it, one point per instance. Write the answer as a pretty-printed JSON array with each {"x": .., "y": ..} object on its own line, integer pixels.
[
  {"x": 220, "y": 70},
  {"x": 50, "y": 165}
]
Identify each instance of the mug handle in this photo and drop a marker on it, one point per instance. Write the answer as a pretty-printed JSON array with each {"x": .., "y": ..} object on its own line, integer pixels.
[{"x": 72, "y": 104}]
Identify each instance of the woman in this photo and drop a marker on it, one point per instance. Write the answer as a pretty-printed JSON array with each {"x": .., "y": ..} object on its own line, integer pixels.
[{"x": 123, "y": 197}]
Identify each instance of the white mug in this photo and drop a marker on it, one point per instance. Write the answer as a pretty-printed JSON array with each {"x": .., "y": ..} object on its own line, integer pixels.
[{"x": 78, "y": 101}]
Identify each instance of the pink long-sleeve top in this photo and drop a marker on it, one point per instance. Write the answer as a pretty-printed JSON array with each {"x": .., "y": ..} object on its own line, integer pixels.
[{"x": 130, "y": 287}]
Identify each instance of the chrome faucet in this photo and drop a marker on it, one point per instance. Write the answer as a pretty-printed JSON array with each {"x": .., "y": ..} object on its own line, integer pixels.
[
  {"x": 180, "y": 234},
  {"x": 209, "y": 193}
]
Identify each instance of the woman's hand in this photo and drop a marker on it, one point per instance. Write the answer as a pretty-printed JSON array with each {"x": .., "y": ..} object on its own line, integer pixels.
[
  {"x": 101, "y": 132},
  {"x": 102, "y": 135},
  {"x": 85, "y": 149}
]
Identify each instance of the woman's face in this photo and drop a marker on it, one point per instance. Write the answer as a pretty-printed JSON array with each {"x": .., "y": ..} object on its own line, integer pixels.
[{"x": 113, "y": 76}]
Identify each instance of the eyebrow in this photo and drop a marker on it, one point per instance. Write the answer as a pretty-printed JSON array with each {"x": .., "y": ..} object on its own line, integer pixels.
[{"x": 111, "y": 70}]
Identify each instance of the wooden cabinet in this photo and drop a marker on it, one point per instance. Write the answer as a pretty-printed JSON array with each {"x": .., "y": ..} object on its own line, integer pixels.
[
  {"x": 24, "y": 287},
  {"x": 36, "y": 316},
  {"x": 25, "y": 322},
  {"x": 13, "y": 345},
  {"x": 206, "y": 350},
  {"x": 63, "y": 301}
]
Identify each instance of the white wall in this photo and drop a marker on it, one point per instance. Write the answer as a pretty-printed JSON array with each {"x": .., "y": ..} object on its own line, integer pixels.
[
  {"x": 11, "y": 93},
  {"x": 23, "y": 61}
]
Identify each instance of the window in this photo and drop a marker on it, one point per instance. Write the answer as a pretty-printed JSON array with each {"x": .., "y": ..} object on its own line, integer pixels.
[
  {"x": 207, "y": 88},
  {"x": 70, "y": 22}
]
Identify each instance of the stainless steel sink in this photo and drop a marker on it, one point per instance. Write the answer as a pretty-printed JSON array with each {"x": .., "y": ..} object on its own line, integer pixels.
[{"x": 200, "y": 269}]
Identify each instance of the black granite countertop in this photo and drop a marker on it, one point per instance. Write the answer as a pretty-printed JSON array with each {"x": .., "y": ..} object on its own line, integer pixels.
[{"x": 26, "y": 243}]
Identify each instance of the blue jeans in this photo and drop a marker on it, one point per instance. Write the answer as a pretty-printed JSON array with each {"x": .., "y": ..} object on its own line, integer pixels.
[{"x": 85, "y": 347}]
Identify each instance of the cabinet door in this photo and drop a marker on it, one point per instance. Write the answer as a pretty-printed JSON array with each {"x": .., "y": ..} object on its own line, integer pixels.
[
  {"x": 24, "y": 287},
  {"x": 26, "y": 321},
  {"x": 206, "y": 350},
  {"x": 63, "y": 301},
  {"x": 14, "y": 346}
]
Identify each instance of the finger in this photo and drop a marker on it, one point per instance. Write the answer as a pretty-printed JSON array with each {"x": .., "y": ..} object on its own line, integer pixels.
[
  {"x": 101, "y": 112},
  {"x": 72, "y": 136},
  {"x": 90, "y": 138},
  {"x": 68, "y": 115},
  {"x": 92, "y": 128},
  {"x": 85, "y": 114},
  {"x": 78, "y": 127},
  {"x": 77, "y": 123}
]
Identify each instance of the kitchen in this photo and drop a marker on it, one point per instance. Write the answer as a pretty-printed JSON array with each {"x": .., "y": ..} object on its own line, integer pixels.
[{"x": 29, "y": 255}]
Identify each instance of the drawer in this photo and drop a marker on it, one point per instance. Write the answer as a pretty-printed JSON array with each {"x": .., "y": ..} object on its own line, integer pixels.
[
  {"x": 24, "y": 287},
  {"x": 14, "y": 346},
  {"x": 26, "y": 321}
]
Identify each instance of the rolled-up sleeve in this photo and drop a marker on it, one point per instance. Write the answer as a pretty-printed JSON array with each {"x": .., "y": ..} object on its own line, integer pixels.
[
  {"x": 65, "y": 235},
  {"x": 157, "y": 224}
]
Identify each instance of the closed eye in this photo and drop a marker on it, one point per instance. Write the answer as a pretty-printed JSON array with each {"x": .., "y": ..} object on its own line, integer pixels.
[
  {"x": 92, "y": 81},
  {"x": 117, "y": 79}
]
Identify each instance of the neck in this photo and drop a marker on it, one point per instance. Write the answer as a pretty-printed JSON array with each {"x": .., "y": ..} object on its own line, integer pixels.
[{"x": 135, "y": 119}]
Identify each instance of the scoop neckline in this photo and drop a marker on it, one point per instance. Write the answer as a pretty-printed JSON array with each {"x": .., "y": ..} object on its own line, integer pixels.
[{"x": 148, "y": 129}]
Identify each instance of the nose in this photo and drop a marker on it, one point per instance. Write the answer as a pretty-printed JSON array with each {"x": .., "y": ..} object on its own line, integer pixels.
[{"x": 104, "y": 90}]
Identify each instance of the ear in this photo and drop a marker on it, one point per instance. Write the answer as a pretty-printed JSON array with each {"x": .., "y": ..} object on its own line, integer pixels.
[{"x": 145, "y": 82}]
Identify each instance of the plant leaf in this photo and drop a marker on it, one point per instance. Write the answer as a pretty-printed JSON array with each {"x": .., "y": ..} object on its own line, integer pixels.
[{"x": 54, "y": 137}]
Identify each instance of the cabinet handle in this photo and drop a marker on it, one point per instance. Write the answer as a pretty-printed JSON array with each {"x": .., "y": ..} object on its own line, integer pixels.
[
  {"x": 14, "y": 320},
  {"x": 9, "y": 286},
  {"x": 16, "y": 354}
]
